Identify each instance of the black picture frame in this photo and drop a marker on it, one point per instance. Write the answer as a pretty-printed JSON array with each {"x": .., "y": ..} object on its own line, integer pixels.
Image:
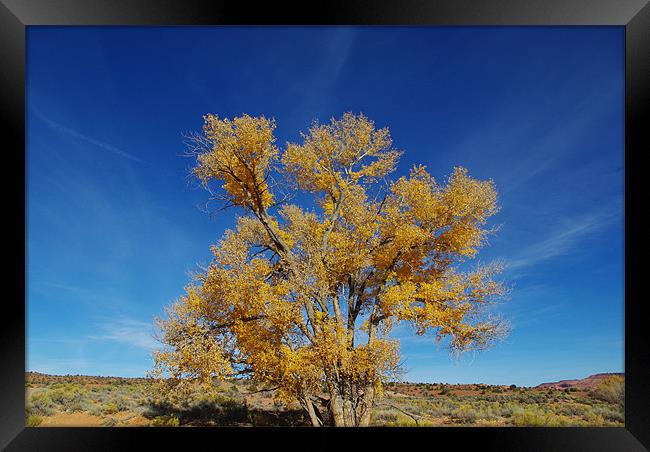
[{"x": 16, "y": 15}]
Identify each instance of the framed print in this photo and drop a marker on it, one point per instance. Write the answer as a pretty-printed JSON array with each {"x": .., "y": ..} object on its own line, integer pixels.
[{"x": 398, "y": 218}]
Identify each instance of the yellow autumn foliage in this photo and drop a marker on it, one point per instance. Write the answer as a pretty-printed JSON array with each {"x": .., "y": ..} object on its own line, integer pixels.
[{"x": 304, "y": 299}]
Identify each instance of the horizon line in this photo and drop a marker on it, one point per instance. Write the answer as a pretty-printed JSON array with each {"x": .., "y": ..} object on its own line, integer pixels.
[{"x": 403, "y": 382}]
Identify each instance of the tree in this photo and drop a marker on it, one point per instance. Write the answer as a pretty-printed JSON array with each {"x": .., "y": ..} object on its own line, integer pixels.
[{"x": 303, "y": 299}]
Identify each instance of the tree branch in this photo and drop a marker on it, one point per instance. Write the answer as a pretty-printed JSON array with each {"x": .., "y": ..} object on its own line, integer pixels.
[{"x": 415, "y": 417}]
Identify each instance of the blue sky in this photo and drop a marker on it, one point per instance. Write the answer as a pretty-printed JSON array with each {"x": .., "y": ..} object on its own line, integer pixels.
[{"x": 113, "y": 227}]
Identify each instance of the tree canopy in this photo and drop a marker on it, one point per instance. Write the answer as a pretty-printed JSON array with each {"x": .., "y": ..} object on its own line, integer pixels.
[{"x": 303, "y": 298}]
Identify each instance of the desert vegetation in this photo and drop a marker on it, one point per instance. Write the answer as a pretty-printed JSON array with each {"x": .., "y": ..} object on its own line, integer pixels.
[{"x": 123, "y": 402}]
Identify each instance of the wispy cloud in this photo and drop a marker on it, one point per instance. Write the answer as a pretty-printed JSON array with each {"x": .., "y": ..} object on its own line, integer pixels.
[
  {"x": 80, "y": 136},
  {"x": 339, "y": 52},
  {"x": 529, "y": 315},
  {"x": 315, "y": 90},
  {"x": 564, "y": 238},
  {"x": 536, "y": 141},
  {"x": 127, "y": 331}
]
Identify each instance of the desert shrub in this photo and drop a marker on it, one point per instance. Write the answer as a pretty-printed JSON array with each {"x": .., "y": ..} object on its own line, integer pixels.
[
  {"x": 384, "y": 417},
  {"x": 403, "y": 420},
  {"x": 141, "y": 408},
  {"x": 609, "y": 414},
  {"x": 417, "y": 405},
  {"x": 529, "y": 418},
  {"x": 202, "y": 409},
  {"x": 594, "y": 419},
  {"x": 109, "y": 422},
  {"x": 33, "y": 420},
  {"x": 122, "y": 404},
  {"x": 506, "y": 410},
  {"x": 165, "y": 421},
  {"x": 110, "y": 408},
  {"x": 588, "y": 401},
  {"x": 465, "y": 414},
  {"x": 75, "y": 405},
  {"x": 440, "y": 408},
  {"x": 41, "y": 404},
  {"x": 64, "y": 388},
  {"x": 67, "y": 396},
  {"x": 529, "y": 398},
  {"x": 572, "y": 409},
  {"x": 611, "y": 390},
  {"x": 535, "y": 417},
  {"x": 95, "y": 409},
  {"x": 425, "y": 423},
  {"x": 487, "y": 413}
]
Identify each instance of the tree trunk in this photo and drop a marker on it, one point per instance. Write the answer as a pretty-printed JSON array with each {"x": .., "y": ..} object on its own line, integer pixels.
[
  {"x": 364, "y": 407},
  {"x": 353, "y": 409},
  {"x": 312, "y": 411}
]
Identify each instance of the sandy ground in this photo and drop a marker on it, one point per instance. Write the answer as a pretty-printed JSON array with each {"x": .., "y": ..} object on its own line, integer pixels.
[
  {"x": 81, "y": 419},
  {"x": 72, "y": 420}
]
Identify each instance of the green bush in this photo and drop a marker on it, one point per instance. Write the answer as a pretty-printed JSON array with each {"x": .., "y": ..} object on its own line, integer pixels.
[
  {"x": 535, "y": 417},
  {"x": 403, "y": 420},
  {"x": 41, "y": 404},
  {"x": 506, "y": 410},
  {"x": 465, "y": 414},
  {"x": 165, "y": 421},
  {"x": 67, "y": 396},
  {"x": 487, "y": 413},
  {"x": 110, "y": 408},
  {"x": 610, "y": 414},
  {"x": 594, "y": 419},
  {"x": 33, "y": 420},
  {"x": 572, "y": 409},
  {"x": 439, "y": 409}
]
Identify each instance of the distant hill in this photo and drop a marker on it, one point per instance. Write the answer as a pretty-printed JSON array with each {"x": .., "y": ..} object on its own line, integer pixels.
[
  {"x": 405, "y": 387},
  {"x": 586, "y": 383},
  {"x": 41, "y": 378}
]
